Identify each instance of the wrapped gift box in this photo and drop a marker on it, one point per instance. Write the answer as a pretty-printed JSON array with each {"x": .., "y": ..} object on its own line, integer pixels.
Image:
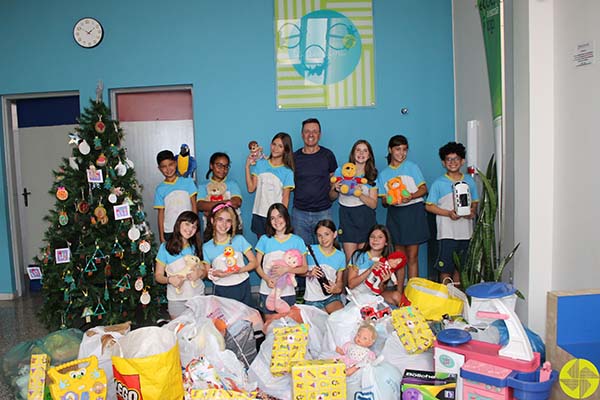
[
  {"x": 37, "y": 376},
  {"x": 319, "y": 379},
  {"x": 289, "y": 345},
  {"x": 412, "y": 329}
]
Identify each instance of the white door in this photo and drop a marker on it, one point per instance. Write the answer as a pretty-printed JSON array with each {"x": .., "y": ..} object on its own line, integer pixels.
[
  {"x": 32, "y": 154},
  {"x": 153, "y": 120}
]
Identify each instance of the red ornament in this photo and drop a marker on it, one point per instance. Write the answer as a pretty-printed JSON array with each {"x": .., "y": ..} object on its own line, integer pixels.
[{"x": 100, "y": 127}]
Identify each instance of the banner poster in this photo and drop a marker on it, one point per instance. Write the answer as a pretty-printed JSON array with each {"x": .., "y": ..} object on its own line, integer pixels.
[
  {"x": 324, "y": 54},
  {"x": 489, "y": 11}
]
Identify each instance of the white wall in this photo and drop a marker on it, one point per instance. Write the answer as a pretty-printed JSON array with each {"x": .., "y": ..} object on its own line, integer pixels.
[{"x": 576, "y": 106}]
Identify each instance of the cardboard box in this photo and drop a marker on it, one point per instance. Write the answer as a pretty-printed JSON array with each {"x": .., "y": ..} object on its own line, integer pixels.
[
  {"x": 319, "y": 379},
  {"x": 289, "y": 345},
  {"x": 429, "y": 385}
]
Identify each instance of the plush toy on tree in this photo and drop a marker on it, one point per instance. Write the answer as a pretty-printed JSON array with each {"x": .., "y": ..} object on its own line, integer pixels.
[
  {"x": 395, "y": 261},
  {"x": 291, "y": 258},
  {"x": 396, "y": 191},
  {"x": 350, "y": 183}
]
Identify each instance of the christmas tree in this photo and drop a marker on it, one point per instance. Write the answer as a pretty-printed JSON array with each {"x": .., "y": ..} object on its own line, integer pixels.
[{"x": 98, "y": 259}]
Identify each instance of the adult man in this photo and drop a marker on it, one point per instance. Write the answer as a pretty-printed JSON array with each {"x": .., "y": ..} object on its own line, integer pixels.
[{"x": 314, "y": 166}]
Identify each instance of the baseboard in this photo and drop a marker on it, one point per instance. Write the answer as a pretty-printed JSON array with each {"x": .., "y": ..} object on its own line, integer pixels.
[{"x": 7, "y": 296}]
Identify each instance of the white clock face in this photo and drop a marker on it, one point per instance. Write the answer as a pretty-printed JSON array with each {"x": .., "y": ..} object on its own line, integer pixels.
[{"x": 88, "y": 32}]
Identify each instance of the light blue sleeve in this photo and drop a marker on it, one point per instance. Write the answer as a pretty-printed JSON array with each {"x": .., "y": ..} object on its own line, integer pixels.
[
  {"x": 202, "y": 191},
  {"x": 261, "y": 245},
  {"x": 162, "y": 254},
  {"x": 233, "y": 188},
  {"x": 417, "y": 175},
  {"x": 190, "y": 186},
  {"x": 288, "y": 178},
  {"x": 159, "y": 200},
  {"x": 434, "y": 193},
  {"x": 241, "y": 244}
]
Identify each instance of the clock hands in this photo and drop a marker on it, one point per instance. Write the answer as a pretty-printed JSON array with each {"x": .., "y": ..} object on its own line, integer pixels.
[{"x": 90, "y": 31}]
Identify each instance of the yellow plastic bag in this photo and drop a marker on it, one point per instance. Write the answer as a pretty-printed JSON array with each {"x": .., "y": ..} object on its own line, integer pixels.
[
  {"x": 148, "y": 366},
  {"x": 432, "y": 298}
]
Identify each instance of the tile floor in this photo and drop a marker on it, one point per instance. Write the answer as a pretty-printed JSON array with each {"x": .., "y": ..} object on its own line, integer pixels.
[{"x": 18, "y": 323}]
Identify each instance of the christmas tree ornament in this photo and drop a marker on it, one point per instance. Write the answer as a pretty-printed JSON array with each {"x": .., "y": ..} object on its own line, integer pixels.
[
  {"x": 144, "y": 246},
  {"x": 107, "y": 270},
  {"x": 139, "y": 214},
  {"x": 74, "y": 138},
  {"x": 101, "y": 214},
  {"x": 73, "y": 163},
  {"x": 112, "y": 173},
  {"x": 61, "y": 193},
  {"x": 139, "y": 284},
  {"x": 142, "y": 268},
  {"x": 99, "y": 126},
  {"x": 63, "y": 218},
  {"x": 112, "y": 198},
  {"x": 106, "y": 293},
  {"x": 118, "y": 250},
  {"x": 128, "y": 200},
  {"x": 145, "y": 297},
  {"x": 123, "y": 283},
  {"x": 83, "y": 207},
  {"x": 101, "y": 160},
  {"x": 84, "y": 148},
  {"x": 120, "y": 168},
  {"x": 133, "y": 233},
  {"x": 99, "y": 311},
  {"x": 87, "y": 314},
  {"x": 128, "y": 162},
  {"x": 108, "y": 183},
  {"x": 114, "y": 150}
]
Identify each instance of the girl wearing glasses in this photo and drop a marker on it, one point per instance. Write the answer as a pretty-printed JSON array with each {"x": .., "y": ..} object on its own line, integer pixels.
[{"x": 218, "y": 187}]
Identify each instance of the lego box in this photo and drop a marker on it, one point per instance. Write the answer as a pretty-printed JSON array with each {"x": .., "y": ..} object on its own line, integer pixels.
[
  {"x": 427, "y": 385},
  {"x": 319, "y": 379}
]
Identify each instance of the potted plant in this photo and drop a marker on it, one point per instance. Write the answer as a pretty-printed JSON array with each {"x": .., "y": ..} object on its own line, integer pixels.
[{"x": 482, "y": 262}]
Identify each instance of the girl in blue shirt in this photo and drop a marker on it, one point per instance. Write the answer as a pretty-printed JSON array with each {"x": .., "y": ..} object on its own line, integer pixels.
[
  {"x": 225, "y": 251},
  {"x": 184, "y": 241}
]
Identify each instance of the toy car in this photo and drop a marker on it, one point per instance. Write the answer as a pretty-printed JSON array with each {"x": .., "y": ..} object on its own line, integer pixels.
[{"x": 375, "y": 313}]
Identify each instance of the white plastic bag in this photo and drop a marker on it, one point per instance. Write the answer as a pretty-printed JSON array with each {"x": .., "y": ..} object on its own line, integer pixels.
[
  {"x": 317, "y": 320},
  {"x": 98, "y": 341},
  {"x": 228, "y": 310},
  {"x": 378, "y": 382},
  {"x": 394, "y": 353},
  {"x": 196, "y": 336}
]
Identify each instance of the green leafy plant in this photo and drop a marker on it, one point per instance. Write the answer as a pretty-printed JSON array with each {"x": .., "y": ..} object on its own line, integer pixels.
[{"x": 482, "y": 262}]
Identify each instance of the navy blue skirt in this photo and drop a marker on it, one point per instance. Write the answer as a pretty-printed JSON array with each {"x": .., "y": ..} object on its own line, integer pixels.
[{"x": 408, "y": 224}]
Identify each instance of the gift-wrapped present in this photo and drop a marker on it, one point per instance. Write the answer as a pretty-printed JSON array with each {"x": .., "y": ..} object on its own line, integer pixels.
[
  {"x": 289, "y": 345},
  {"x": 37, "y": 376},
  {"x": 220, "y": 394},
  {"x": 319, "y": 379},
  {"x": 412, "y": 329}
]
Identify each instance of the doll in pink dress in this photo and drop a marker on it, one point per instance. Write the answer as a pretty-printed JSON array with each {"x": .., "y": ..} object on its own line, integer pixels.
[{"x": 356, "y": 353}]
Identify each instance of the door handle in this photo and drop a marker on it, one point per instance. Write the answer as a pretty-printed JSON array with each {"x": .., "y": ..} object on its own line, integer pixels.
[{"x": 26, "y": 196}]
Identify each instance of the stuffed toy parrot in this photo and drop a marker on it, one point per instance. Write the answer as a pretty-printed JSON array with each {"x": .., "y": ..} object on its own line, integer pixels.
[{"x": 186, "y": 163}]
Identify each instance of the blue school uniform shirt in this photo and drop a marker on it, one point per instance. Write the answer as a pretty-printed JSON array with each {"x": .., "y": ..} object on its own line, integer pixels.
[
  {"x": 411, "y": 176},
  {"x": 273, "y": 249},
  {"x": 441, "y": 194},
  {"x": 174, "y": 197},
  {"x": 330, "y": 265},
  {"x": 272, "y": 179},
  {"x": 213, "y": 254},
  {"x": 187, "y": 291}
]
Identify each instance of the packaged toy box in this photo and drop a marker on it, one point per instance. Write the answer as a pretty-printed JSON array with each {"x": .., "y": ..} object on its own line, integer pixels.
[
  {"x": 37, "y": 376},
  {"x": 427, "y": 385},
  {"x": 289, "y": 345},
  {"x": 79, "y": 379},
  {"x": 319, "y": 379}
]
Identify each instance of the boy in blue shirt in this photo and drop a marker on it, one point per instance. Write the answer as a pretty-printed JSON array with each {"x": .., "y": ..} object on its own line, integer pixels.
[
  {"x": 172, "y": 196},
  {"x": 453, "y": 231}
]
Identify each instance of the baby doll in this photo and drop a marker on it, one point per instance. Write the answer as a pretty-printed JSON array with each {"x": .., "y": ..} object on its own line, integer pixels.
[
  {"x": 356, "y": 353},
  {"x": 291, "y": 258},
  {"x": 256, "y": 151}
]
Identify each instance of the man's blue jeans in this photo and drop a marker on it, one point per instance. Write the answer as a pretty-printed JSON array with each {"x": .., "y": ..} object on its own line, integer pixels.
[{"x": 304, "y": 223}]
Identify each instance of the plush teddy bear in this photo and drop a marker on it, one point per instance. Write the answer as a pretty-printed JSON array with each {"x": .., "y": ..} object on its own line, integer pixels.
[
  {"x": 182, "y": 267},
  {"x": 350, "y": 184},
  {"x": 396, "y": 190},
  {"x": 291, "y": 258},
  {"x": 256, "y": 152},
  {"x": 393, "y": 263},
  {"x": 216, "y": 191}
]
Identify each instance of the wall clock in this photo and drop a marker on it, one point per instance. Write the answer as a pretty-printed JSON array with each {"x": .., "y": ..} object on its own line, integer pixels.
[{"x": 88, "y": 32}]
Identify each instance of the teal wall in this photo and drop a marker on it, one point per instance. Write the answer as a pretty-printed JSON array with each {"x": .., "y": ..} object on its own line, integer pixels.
[{"x": 225, "y": 50}]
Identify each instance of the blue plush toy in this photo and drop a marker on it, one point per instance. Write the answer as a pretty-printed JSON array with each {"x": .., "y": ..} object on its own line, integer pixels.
[{"x": 186, "y": 163}]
